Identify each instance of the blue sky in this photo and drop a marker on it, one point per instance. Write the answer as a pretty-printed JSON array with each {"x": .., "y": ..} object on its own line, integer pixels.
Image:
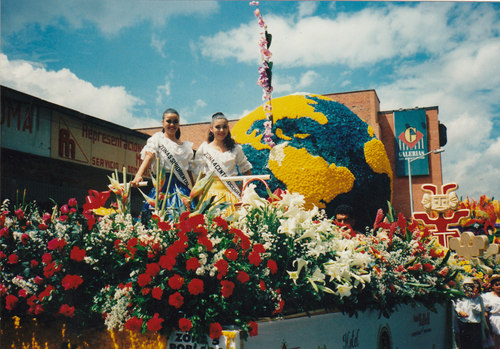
[{"x": 126, "y": 61}]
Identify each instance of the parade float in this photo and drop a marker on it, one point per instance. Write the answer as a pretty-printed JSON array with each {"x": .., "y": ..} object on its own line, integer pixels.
[{"x": 277, "y": 273}]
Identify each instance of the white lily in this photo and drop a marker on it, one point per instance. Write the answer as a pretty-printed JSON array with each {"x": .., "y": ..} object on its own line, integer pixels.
[{"x": 294, "y": 275}]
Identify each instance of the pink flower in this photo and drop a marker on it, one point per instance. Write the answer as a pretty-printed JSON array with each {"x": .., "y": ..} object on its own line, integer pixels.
[
  {"x": 72, "y": 202},
  {"x": 64, "y": 209},
  {"x": 19, "y": 213}
]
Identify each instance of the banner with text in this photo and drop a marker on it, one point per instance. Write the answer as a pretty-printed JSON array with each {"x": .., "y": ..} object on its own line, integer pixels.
[
  {"x": 411, "y": 141},
  {"x": 93, "y": 145}
]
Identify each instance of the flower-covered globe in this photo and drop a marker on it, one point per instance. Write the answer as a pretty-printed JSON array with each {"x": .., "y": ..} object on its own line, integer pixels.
[{"x": 323, "y": 151}]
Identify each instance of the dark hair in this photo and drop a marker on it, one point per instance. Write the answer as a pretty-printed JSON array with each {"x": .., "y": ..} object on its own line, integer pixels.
[
  {"x": 228, "y": 141},
  {"x": 172, "y": 111},
  {"x": 344, "y": 209}
]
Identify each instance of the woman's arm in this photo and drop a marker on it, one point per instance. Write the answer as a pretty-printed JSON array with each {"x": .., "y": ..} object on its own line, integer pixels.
[{"x": 146, "y": 163}]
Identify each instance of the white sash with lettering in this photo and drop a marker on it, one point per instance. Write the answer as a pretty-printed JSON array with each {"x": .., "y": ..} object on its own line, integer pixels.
[
  {"x": 221, "y": 172},
  {"x": 179, "y": 172}
]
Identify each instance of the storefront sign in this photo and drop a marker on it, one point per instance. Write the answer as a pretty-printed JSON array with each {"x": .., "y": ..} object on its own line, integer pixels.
[{"x": 77, "y": 141}]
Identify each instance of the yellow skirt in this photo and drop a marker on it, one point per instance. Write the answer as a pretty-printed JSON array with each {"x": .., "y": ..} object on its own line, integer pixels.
[{"x": 222, "y": 194}]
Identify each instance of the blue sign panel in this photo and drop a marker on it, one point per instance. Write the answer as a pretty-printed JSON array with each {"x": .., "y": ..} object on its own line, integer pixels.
[
  {"x": 25, "y": 127},
  {"x": 411, "y": 142}
]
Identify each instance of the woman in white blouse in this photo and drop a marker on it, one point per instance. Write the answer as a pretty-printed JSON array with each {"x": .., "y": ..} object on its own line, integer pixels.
[
  {"x": 221, "y": 155},
  {"x": 173, "y": 154},
  {"x": 492, "y": 305}
]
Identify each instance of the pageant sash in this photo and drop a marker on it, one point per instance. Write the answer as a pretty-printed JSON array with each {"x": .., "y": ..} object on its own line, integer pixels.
[
  {"x": 220, "y": 172},
  {"x": 179, "y": 172}
]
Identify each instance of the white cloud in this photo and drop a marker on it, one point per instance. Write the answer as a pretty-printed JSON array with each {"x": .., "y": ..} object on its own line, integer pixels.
[
  {"x": 162, "y": 91},
  {"x": 158, "y": 45},
  {"x": 109, "y": 16},
  {"x": 307, "y": 8},
  {"x": 111, "y": 103},
  {"x": 365, "y": 37},
  {"x": 191, "y": 113},
  {"x": 289, "y": 84}
]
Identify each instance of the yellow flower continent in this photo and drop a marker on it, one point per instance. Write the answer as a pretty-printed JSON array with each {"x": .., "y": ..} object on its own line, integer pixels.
[
  {"x": 311, "y": 176},
  {"x": 376, "y": 158}
]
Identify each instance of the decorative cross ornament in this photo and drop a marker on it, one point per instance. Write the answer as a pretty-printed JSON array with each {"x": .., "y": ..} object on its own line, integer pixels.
[
  {"x": 441, "y": 212},
  {"x": 469, "y": 245}
]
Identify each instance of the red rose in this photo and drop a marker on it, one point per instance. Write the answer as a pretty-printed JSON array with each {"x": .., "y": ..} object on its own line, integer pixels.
[
  {"x": 221, "y": 266},
  {"x": 242, "y": 276},
  {"x": 38, "y": 280},
  {"x": 19, "y": 213},
  {"x": 231, "y": 254},
  {"x": 22, "y": 293},
  {"x": 10, "y": 302},
  {"x": 134, "y": 324},
  {"x": 13, "y": 259},
  {"x": 262, "y": 285},
  {"x": 167, "y": 262},
  {"x": 253, "y": 329},
  {"x": 185, "y": 325},
  {"x": 56, "y": 244},
  {"x": 273, "y": 267},
  {"x": 203, "y": 240},
  {"x": 64, "y": 209},
  {"x": 176, "y": 300},
  {"x": 254, "y": 258},
  {"x": 72, "y": 202},
  {"x": 25, "y": 238},
  {"x": 195, "y": 287},
  {"x": 157, "y": 293},
  {"x": 259, "y": 248},
  {"x": 415, "y": 267},
  {"x": 227, "y": 288},
  {"x": 221, "y": 222},
  {"x": 145, "y": 291},
  {"x": 77, "y": 254},
  {"x": 42, "y": 226},
  {"x": 143, "y": 279},
  {"x": 46, "y": 258},
  {"x": 50, "y": 269},
  {"x": 46, "y": 293},
  {"x": 192, "y": 264},
  {"x": 71, "y": 281},
  {"x": 152, "y": 269},
  {"x": 4, "y": 232},
  {"x": 215, "y": 330},
  {"x": 154, "y": 324},
  {"x": 34, "y": 263},
  {"x": 176, "y": 282},
  {"x": 66, "y": 310}
]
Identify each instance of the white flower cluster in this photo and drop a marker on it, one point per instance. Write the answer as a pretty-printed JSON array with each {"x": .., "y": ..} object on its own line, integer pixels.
[{"x": 117, "y": 311}]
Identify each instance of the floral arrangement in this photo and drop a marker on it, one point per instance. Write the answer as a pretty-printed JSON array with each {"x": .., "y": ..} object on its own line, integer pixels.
[
  {"x": 484, "y": 216},
  {"x": 199, "y": 272},
  {"x": 324, "y": 151},
  {"x": 265, "y": 75}
]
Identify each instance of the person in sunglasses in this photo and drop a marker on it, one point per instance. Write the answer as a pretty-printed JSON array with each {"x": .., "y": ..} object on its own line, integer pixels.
[{"x": 173, "y": 154}]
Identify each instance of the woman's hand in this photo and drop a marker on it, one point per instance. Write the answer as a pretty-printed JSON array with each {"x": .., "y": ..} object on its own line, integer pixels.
[{"x": 135, "y": 182}]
